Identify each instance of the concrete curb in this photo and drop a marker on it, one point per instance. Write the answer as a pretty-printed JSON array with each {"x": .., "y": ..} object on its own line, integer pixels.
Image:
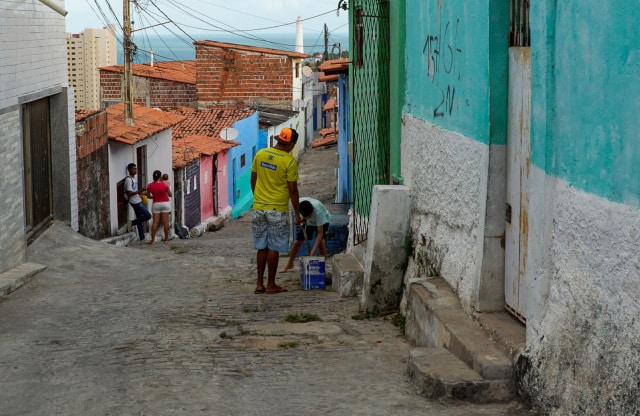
[{"x": 13, "y": 279}]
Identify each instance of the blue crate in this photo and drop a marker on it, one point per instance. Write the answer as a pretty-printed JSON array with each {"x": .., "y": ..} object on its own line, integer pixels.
[{"x": 312, "y": 273}]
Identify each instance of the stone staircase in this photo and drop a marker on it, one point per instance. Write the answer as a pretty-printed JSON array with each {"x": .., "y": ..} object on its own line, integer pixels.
[{"x": 457, "y": 356}]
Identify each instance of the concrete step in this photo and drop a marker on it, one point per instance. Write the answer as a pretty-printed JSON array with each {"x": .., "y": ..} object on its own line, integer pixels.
[
  {"x": 347, "y": 274},
  {"x": 435, "y": 319},
  {"x": 438, "y": 374},
  {"x": 13, "y": 279}
]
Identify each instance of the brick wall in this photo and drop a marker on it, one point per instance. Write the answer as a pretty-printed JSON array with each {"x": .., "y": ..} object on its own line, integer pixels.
[
  {"x": 93, "y": 176},
  {"x": 229, "y": 76},
  {"x": 157, "y": 93},
  {"x": 110, "y": 87},
  {"x": 169, "y": 94}
]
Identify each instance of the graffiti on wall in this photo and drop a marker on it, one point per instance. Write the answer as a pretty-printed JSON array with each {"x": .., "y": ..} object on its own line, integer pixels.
[{"x": 441, "y": 50}]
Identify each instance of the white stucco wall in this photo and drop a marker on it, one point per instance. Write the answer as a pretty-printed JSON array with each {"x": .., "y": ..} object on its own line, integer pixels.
[
  {"x": 586, "y": 286},
  {"x": 120, "y": 155},
  {"x": 447, "y": 174}
]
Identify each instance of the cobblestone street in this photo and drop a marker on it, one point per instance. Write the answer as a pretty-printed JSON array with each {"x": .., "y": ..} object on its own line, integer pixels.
[{"x": 175, "y": 329}]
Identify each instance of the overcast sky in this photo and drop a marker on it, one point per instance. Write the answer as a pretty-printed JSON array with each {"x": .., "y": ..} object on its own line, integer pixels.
[{"x": 211, "y": 16}]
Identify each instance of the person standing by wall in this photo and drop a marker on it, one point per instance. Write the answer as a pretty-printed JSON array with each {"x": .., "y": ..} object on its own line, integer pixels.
[
  {"x": 160, "y": 192},
  {"x": 131, "y": 189},
  {"x": 274, "y": 181}
]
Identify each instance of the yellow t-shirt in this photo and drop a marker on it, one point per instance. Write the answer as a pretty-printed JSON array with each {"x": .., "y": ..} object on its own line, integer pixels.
[{"x": 274, "y": 168}]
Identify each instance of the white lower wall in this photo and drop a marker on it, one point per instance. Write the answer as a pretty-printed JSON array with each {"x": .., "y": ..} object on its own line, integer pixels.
[
  {"x": 584, "y": 339},
  {"x": 447, "y": 174}
]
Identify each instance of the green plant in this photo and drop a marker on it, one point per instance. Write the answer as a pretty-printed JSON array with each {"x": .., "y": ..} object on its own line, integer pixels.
[
  {"x": 251, "y": 310},
  {"x": 301, "y": 318},
  {"x": 399, "y": 320},
  {"x": 289, "y": 344},
  {"x": 365, "y": 315},
  {"x": 179, "y": 250}
]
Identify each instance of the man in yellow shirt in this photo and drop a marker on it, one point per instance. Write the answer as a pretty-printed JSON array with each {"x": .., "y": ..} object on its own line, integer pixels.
[{"x": 274, "y": 181}]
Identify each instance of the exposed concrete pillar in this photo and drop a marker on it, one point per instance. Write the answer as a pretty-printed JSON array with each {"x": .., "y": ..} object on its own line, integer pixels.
[{"x": 384, "y": 259}]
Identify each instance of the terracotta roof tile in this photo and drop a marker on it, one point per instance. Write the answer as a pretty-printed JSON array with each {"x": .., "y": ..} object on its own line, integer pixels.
[
  {"x": 84, "y": 114},
  {"x": 207, "y": 122},
  {"x": 146, "y": 123},
  {"x": 190, "y": 148},
  {"x": 248, "y": 48},
  {"x": 334, "y": 66},
  {"x": 327, "y": 140},
  {"x": 177, "y": 71},
  {"x": 327, "y": 78},
  {"x": 329, "y": 105},
  {"x": 199, "y": 133},
  {"x": 327, "y": 130}
]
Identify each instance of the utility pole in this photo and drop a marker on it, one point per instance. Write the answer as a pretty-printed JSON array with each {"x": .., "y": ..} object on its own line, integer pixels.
[
  {"x": 326, "y": 42},
  {"x": 128, "y": 58}
]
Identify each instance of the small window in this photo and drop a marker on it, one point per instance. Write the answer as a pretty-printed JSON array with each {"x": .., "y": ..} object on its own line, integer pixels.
[{"x": 242, "y": 161}]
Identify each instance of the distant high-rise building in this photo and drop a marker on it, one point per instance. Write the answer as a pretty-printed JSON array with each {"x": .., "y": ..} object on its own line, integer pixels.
[{"x": 86, "y": 52}]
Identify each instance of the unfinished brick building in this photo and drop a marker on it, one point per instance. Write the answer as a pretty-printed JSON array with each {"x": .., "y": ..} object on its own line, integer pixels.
[
  {"x": 239, "y": 74},
  {"x": 163, "y": 85}
]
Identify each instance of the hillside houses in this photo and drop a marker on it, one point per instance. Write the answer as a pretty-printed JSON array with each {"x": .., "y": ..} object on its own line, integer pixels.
[{"x": 249, "y": 89}]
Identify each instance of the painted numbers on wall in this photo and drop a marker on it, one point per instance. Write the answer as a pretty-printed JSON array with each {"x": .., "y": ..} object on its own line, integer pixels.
[{"x": 441, "y": 50}]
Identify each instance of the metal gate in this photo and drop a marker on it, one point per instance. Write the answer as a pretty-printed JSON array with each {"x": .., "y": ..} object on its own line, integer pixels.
[
  {"x": 37, "y": 164},
  {"x": 369, "y": 107}
]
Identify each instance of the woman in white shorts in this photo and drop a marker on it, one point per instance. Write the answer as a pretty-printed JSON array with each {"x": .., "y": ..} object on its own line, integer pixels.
[{"x": 160, "y": 192}]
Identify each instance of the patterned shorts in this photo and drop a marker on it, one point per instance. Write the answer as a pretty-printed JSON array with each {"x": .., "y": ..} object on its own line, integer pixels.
[{"x": 270, "y": 230}]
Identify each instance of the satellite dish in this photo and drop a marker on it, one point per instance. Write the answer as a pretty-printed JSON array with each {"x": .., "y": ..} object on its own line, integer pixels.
[
  {"x": 228, "y": 134},
  {"x": 307, "y": 71}
]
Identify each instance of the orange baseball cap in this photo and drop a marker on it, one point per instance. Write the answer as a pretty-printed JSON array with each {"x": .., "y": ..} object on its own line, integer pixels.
[{"x": 287, "y": 136}]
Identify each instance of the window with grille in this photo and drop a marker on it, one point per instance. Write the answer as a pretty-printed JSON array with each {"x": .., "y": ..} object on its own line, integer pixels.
[{"x": 519, "y": 33}]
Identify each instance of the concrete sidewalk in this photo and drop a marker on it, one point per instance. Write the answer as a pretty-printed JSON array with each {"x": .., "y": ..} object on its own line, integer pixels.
[{"x": 175, "y": 329}]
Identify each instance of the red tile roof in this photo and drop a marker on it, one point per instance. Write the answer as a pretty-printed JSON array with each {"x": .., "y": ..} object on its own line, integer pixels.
[
  {"x": 327, "y": 78},
  {"x": 199, "y": 133},
  {"x": 334, "y": 66},
  {"x": 328, "y": 140},
  {"x": 84, "y": 114},
  {"x": 329, "y": 105},
  {"x": 188, "y": 149},
  {"x": 207, "y": 122},
  {"x": 327, "y": 130},
  {"x": 146, "y": 123},
  {"x": 255, "y": 49},
  {"x": 177, "y": 71}
]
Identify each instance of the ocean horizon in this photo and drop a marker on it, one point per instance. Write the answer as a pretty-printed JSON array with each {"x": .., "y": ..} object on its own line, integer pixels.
[{"x": 172, "y": 48}]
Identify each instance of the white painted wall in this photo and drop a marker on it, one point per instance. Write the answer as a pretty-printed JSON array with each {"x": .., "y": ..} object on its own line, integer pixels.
[
  {"x": 585, "y": 292},
  {"x": 447, "y": 175},
  {"x": 120, "y": 155}
]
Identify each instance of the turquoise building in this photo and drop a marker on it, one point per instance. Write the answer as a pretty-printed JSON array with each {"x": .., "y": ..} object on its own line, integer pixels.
[{"x": 515, "y": 126}]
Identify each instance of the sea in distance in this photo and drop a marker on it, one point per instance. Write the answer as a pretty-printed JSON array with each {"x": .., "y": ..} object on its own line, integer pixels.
[{"x": 180, "y": 47}]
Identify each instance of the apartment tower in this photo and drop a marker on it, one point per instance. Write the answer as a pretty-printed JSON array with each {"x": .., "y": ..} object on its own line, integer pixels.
[{"x": 86, "y": 52}]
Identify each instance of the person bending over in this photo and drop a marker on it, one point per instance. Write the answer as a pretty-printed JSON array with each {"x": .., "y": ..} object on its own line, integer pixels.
[{"x": 316, "y": 220}]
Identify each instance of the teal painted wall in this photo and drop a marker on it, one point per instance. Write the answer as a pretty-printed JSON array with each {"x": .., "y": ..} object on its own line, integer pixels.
[
  {"x": 586, "y": 84},
  {"x": 451, "y": 80},
  {"x": 240, "y": 196}
]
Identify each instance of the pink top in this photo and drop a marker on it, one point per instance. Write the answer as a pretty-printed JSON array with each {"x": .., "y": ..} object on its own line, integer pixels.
[{"x": 159, "y": 191}]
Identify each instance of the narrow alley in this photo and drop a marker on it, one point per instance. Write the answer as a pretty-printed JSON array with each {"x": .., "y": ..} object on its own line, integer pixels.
[{"x": 176, "y": 329}]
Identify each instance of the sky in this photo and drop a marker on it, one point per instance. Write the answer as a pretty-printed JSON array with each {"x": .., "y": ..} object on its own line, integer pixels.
[{"x": 211, "y": 16}]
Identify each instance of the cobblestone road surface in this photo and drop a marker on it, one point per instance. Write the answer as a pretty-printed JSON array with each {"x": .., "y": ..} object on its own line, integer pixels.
[{"x": 175, "y": 329}]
